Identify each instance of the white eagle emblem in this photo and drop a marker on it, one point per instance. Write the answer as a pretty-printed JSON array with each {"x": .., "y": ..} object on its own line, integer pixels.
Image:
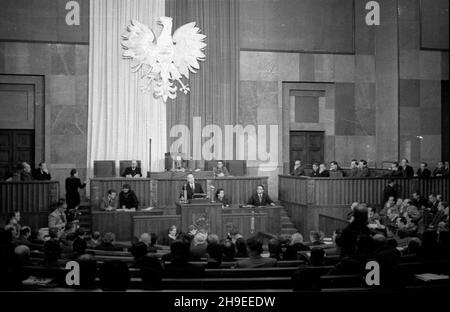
[{"x": 165, "y": 59}]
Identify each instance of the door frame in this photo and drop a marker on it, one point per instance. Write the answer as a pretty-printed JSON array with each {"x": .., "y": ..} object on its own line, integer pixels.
[
  {"x": 41, "y": 114},
  {"x": 286, "y": 115}
]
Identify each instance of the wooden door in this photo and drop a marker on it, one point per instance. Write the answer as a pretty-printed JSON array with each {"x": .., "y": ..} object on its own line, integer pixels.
[
  {"x": 16, "y": 146},
  {"x": 306, "y": 146}
]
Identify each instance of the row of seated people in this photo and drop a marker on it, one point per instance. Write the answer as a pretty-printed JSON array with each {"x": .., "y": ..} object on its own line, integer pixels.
[
  {"x": 24, "y": 172},
  {"x": 127, "y": 198},
  {"x": 360, "y": 169},
  {"x": 356, "y": 245}
]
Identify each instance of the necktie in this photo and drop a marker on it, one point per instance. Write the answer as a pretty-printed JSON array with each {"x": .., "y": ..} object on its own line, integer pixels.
[
  {"x": 260, "y": 198},
  {"x": 192, "y": 186}
]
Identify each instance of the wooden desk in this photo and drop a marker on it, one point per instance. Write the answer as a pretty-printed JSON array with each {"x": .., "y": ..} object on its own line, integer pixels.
[
  {"x": 34, "y": 200},
  {"x": 118, "y": 222},
  {"x": 323, "y": 203},
  {"x": 272, "y": 221},
  {"x": 193, "y": 214}
]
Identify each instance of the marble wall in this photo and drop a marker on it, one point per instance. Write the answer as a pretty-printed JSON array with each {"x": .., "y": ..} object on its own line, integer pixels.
[
  {"x": 385, "y": 95},
  {"x": 65, "y": 70}
]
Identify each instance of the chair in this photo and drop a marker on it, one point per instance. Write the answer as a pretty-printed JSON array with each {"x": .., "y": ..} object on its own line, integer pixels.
[{"x": 104, "y": 168}]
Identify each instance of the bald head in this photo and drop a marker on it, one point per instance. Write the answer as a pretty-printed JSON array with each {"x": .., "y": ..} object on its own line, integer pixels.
[{"x": 146, "y": 239}]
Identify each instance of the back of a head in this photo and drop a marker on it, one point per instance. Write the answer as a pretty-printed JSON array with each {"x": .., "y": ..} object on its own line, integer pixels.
[
  {"x": 274, "y": 246},
  {"x": 296, "y": 238},
  {"x": 213, "y": 238},
  {"x": 229, "y": 250},
  {"x": 241, "y": 245},
  {"x": 114, "y": 275},
  {"x": 138, "y": 250},
  {"x": 200, "y": 238},
  {"x": 79, "y": 245},
  {"x": 151, "y": 273},
  {"x": 145, "y": 238},
  {"x": 254, "y": 245},
  {"x": 108, "y": 238},
  {"x": 414, "y": 246},
  {"x": 315, "y": 236},
  {"x": 22, "y": 252},
  {"x": 214, "y": 251},
  {"x": 96, "y": 235},
  {"x": 52, "y": 250},
  {"x": 88, "y": 270},
  {"x": 360, "y": 214},
  {"x": 179, "y": 250},
  {"x": 317, "y": 257}
]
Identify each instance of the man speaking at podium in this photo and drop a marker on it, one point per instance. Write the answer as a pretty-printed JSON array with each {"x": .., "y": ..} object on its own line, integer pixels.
[{"x": 191, "y": 188}]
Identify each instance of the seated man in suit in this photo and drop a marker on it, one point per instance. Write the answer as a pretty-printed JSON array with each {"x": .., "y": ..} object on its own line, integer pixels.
[
  {"x": 132, "y": 172},
  {"x": 191, "y": 188},
  {"x": 42, "y": 173},
  {"x": 57, "y": 219},
  {"x": 111, "y": 201},
  {"x": 179, "y": 265},
  {"x": 315, "y": 170},
  {"x": 25, "y": 172},
  {"x": 353, "y": 168},
  {"x": 255, "y": 248},
  {"x": 220, "y": 170},
  {"x": 335, "y": 170},
  {"x": 396, "y": 171},
  {"x": 260, "y": 198},
  {"x": 298, "y": 169},
  {"x": 127, "y": 198},
  {"x": 363, "y": 170},
  {"x": 440, "y": 170},
  {"x": 323, "y": 172}
]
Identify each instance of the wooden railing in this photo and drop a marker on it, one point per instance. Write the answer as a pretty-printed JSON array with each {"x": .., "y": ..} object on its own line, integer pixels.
[
  {"x": 315, "y": 202},
  {"x": 34, "y": 199},
  {"x": 28, "y": 197}
]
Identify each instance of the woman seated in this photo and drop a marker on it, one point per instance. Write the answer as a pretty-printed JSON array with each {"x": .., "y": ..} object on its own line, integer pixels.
[
  {"x": 222, "y": 198},
  {"x": 127, "y": 198}
]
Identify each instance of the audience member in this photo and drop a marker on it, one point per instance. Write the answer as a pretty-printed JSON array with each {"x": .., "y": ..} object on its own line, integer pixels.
[
  {"x": 170, "y": 237},
  {"x": 323, "y": 172},
  {"x": 198, "y": 249},
  {"x": 108, "y": 243},
  {"x": 114, "y": 275},
  {"x": 229, "y": 251},
  {"x": 395, "y": 171},
  {"x": 423, "y": 171},
  {"x": 179, "y": 265},
  {"x": 57, "y": 219},
  {"x": 315, "y": 170},
  {"x": 407, "y": 170},
  {"x": 353, "y": 169},
  {"x": 260, "y": 198},
  {"x": 42, "y": 173},
  {"x": 255, "y": 260},
  {"x": 363, "y": 169},
  {"x": 335, "y": 170},
  {"x": 296, "y": 244},
  {"x": 241, "y": 248},
  {"x": 391, "y": 190},
  {"x": 215, "y": 255},
  {"x": 299, "y": 170},
  {"x": 275, "y": 250},
  {"x": 440, "y": 170}
]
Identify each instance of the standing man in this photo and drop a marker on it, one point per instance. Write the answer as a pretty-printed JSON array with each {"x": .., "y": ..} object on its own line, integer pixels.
[
  {"x": 132, "y": 172},
  {"x": 191, "y": 187},
  {"x": 42, "y": 173},
  {"x": 260, "y": 198},
  {"x": 407, "y": 170},
  {"x": 298, "y": 169}
]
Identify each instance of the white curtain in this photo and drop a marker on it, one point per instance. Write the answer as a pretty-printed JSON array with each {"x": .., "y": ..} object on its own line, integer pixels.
[{"x": 122, "y": 119}]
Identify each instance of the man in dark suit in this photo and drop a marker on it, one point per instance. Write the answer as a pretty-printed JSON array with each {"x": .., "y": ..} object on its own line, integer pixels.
[
  {"x": 298, "y": 169},
  {"x": 423, "y": 171},
  {"x": 323, "y": 172},
  {"x": 396, "y": 171},
  {"x": 132, "y": 172},
  {"x": 353, "y": 168},
  {"x": 407, "y": 170},
  {"x": 363, "y": 170},
  {"x": 260, "y": 198},
  {"x": 255, "y": 248},
  {"x": 390, "y": 190},
  {"x": 191, "y": 187},
  {"x": 42, "y": 173}
]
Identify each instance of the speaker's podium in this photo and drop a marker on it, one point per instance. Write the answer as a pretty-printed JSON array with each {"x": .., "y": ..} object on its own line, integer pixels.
[{"x": 202, "y": 213}]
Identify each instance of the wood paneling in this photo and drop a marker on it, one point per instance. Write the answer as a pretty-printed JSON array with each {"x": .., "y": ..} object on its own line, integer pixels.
[
  {"x": 33, "y": 199},
  {"x": 119, "y": 222},
  {"x": 310, "y": 201},
  {"x": 273, "y": 220},
  {"x": 210, "y": 212},
  {"x": 247, "y": 224}
]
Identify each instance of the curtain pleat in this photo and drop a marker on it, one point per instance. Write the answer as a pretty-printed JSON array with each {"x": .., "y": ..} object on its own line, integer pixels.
[
  {"x": 214, "y": 88},
  {"x": 121, "y": 118}
]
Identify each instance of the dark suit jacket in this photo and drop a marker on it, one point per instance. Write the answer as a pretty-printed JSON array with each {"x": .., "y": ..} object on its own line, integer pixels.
[
  {"x": 390, "y": 191},
  {"x": 132, "y": 172},
  {"x": 408, "y": 171},
  {"x": 353, "y": 172},
  {"x": 40, "y": 175},
  {"x": 225, "y": 200},
  {"x": 72, "y": 195},
  {"x": 363, "y": 173},
  {"x": 314, "y": 173},
  {"x": 265, "y": 200},
  {"x": 190, "y": 192},
  {"x": 129, "y": 200},
  {"x": 324, "y": 174},
  {"x": 425, "y": 173},
  {"x": 300, "y": 171}
]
